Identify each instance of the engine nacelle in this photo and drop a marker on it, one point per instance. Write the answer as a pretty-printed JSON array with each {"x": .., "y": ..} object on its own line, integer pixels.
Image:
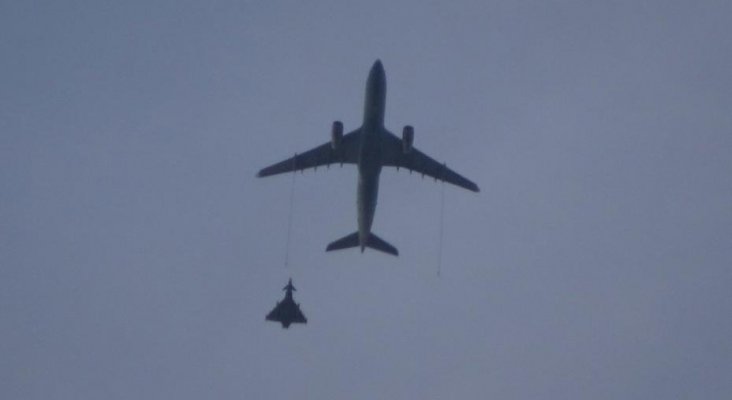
[
  {"x": 407, "y": 139},
  {"x": 336, "y": 135}
]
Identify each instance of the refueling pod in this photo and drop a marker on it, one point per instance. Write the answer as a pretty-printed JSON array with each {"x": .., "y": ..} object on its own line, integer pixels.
[
  {"x": 336, "y": 135},
  {"x": 407, "y": 139}
]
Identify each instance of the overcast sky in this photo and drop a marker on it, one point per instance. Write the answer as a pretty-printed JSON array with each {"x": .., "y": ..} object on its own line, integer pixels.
[{"x": 139, "y": 254}]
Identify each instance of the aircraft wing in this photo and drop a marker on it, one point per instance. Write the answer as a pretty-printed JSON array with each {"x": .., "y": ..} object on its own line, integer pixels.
[
  {"x": 415, "y": 160},
  {"x": 274, "y": 315},
  {"x": 298, "y": 316},
  {"x": 324, "y": 154},
  {"x": 287, "y": 311}
]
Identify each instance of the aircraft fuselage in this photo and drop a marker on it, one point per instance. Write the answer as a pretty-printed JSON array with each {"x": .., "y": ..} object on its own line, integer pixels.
[{"x": 369, "y": 162}]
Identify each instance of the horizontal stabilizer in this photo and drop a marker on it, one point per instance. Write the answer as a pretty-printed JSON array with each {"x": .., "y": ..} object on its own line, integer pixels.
[
  {"x": 373, "y": 242},
  {"x": 344, "y": 242},
  {"x": 377, "y": 243}
]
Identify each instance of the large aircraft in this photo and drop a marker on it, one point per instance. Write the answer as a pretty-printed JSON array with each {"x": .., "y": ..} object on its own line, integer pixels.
[{"x": 371, "y": 147}]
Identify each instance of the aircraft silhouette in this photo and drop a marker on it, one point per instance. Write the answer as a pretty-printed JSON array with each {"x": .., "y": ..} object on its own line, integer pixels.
[
  {"x": 287, "y": 311},
  {"x": 371, "y": 147}
]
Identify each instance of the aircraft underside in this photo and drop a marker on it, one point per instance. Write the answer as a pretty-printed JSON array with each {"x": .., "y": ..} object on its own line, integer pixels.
[{"x": 370, "y": 147}]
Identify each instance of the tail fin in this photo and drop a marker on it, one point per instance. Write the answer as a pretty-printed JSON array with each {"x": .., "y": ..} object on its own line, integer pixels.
[{"x": 373, "y": 242}]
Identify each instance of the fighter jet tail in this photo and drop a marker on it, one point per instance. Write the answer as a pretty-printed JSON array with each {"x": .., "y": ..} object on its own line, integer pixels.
[{"x": 373, "y": 242}]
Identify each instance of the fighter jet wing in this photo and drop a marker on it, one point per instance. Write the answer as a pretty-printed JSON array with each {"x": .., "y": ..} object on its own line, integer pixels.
[
  {"x": 325, "y": 154},
  {"x": 415, "y": 160},
  {"x": 275, "y": 314},
  {"x": 287, "y": 312},
  {"x": 298, "y": 316}
]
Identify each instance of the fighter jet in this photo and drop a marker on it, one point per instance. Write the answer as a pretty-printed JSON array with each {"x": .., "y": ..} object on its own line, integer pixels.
[
  {"x": 370, "y": 146},
  {"x": 287, "y": 311}
]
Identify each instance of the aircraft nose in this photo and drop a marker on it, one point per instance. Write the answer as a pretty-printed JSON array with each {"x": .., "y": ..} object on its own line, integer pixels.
[
  {"x": 377, "y": 66},
  {"x": 377, "y": 73},
  {"x": 376, "y": 82}
]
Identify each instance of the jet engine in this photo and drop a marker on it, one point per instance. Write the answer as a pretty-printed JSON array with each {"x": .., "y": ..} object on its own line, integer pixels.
[
  {"x": 336, "y": 135},
  {"x": 407, "y": 139}
]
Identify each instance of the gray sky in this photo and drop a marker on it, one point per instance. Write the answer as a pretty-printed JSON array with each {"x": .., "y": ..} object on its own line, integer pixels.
[{"x": 139, "y": 254}]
